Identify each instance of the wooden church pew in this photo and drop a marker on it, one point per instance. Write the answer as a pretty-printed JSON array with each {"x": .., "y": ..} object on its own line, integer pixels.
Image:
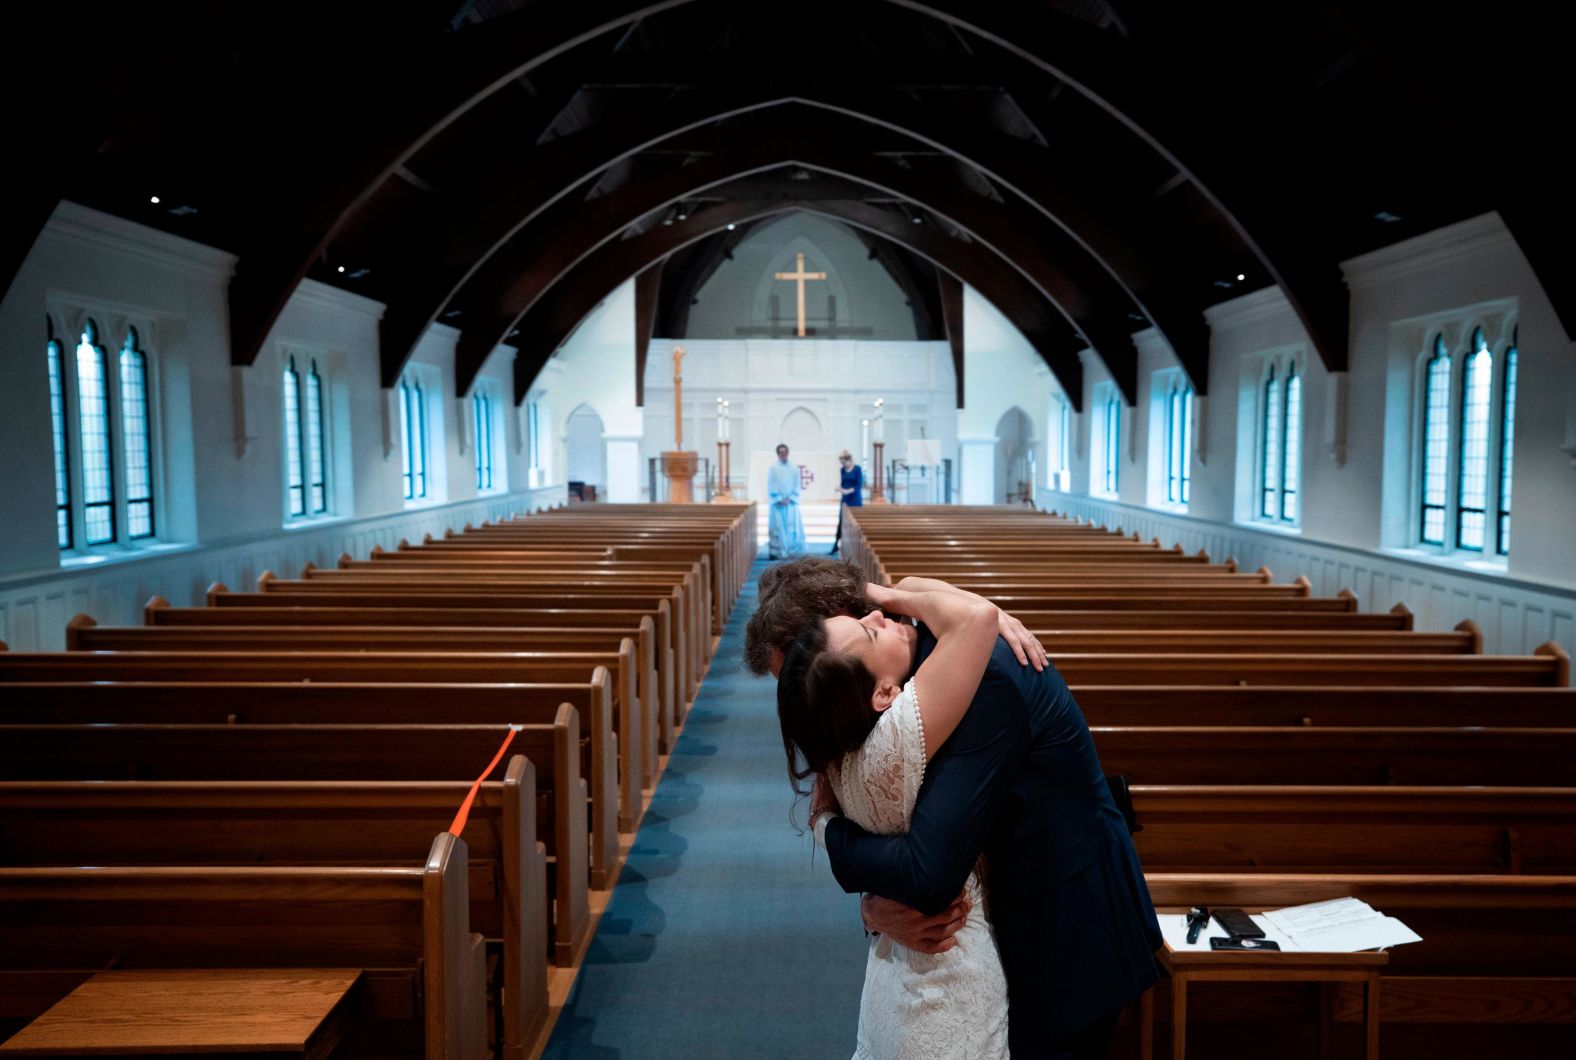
[
  {"x": 1395, "y": 829},
  {"x": 323, "y": 823},
  {"x": 177, "y": 698},
  {"x": 408, "y": 921},
  {"x": 1385, "y": 706},
  {"x": 333, "y": 752}
]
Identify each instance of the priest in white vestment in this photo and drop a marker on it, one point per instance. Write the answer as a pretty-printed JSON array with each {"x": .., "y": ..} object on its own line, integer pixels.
[{"x": 785, "y": 529}]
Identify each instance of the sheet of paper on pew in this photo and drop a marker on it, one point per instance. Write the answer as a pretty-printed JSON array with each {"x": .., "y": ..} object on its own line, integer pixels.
[{"x": 1341, "y": 925}]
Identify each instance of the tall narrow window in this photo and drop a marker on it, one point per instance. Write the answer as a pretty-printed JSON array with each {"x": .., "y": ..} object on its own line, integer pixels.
[
  {"x": 1064, "y": 466},
  {"x": 1179, "y": 431},
  {"x": 1112, "y": 435},
  {"x": 419, "y": 453},
  {"x": 1472, "y": 497},
  {"x": 1271, "y": 436},
  {"x": 316, "y": 458},
  {"x": 1507, "y": 449},
  {"x": 413, "y": 427},
  {"x": 531, "y": 415},
  {"x": 1291, "y": 447},
  {"x": 57, "y": 423},
  {"x": 295, "y": 485},
  {"x": 481, "y": 405},
  {"x": 98, "y": 469},
  {"x": 1436, "y": 443},
  {"x": 137, "y": 430}
]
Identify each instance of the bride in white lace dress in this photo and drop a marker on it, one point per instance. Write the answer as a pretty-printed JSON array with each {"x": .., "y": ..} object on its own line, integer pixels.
[{"x": 851, "y": 714}]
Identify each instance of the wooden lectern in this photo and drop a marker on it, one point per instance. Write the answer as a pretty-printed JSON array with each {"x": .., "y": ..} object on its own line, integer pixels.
[{"x": 679, "y": 464}]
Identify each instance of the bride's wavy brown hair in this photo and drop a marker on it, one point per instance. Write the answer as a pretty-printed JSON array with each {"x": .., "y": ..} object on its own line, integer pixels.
[{"x": 823, "y": 704}]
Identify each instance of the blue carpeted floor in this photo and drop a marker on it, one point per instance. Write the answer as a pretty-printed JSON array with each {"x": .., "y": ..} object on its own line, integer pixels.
[{"x": 724, "y": 937}]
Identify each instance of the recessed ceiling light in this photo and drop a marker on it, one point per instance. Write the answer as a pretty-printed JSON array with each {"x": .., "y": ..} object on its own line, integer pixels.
[
  {"x": 1241, "y": 277},
  {"x": 731, "y": 226},
  {"x": 154, "y": 200},
  {"x": 341, "y": 268}
]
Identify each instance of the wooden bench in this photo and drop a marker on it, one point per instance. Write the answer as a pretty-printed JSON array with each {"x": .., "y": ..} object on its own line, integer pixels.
[
  {"x": 409, "y": 921},
  {"x": 1307, "y": 829},
  {"x": 168, "y": 691},
  {"x": 1337, "y": 755},
  {"x": 672, "y": 634},
  {"x": 1548, "y": 667},
  {"x": 657, "y": 662},
  {"x": 1495, "y": 950},
  {"x": 334, "y": 752},
  {"x": 343, "y": 823},
  {"x": 1385, "y": 706}
]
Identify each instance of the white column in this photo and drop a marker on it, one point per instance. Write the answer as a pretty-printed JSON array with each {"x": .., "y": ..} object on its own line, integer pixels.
[
  {"x": 977, "y": 455},
  {"x": 624, "y": 475}
]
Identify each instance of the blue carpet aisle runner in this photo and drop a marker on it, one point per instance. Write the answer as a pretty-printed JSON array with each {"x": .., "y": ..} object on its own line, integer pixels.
[{"x": 723, "y": 937}]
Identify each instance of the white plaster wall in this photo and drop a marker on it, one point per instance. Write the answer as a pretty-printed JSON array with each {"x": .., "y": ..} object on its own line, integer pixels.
[
  {"x": 736, "y": 301},
  {"x": 1000, "y": 370},
  {"x": 1355, "y": 471},
  {"x": 219, "y": 475},
  {"x": 596, "y": 367}
]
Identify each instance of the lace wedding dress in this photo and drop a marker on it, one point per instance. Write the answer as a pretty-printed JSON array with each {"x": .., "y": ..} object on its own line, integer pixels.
[{"x": 916, "y": 1006}]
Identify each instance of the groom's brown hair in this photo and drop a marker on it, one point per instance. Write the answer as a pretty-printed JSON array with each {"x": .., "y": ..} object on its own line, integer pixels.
[{"x": 792, "y": 596}]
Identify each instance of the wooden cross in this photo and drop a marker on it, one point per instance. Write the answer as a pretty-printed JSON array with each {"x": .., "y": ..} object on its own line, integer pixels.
[{"x": 799, "y": 276}]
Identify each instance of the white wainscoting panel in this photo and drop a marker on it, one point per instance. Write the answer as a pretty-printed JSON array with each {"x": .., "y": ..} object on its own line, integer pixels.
[
  {"x": 1515, "y": 616},
  {"x": 34, "y": 609}
]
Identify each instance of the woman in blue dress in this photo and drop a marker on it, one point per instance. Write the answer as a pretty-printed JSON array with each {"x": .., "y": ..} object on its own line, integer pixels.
[{"x": 853, "y": 480}]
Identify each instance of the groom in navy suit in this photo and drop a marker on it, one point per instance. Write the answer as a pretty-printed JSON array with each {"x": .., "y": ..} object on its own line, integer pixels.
[{"x": 1019, "y": 782}]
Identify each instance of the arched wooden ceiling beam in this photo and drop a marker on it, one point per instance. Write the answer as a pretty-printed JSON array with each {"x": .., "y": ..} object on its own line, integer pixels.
[
  {"x": 1122, "y": 77},
  {"x": 513, "y": 280},
  {"x": 552, "y": 319},
  {"x": 377, "y": 131},
  {"x": 473, "y": 64}
]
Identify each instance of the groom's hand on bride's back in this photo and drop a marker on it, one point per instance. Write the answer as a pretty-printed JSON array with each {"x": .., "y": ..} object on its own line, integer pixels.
[{"x": 921, "y": 933}]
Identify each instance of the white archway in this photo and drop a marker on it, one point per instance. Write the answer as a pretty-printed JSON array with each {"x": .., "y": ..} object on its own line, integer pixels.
[
  {"x": 585, "y": 451},
  {"x": 801, "y": 430},
  {"x": 1014, "y": 440}
]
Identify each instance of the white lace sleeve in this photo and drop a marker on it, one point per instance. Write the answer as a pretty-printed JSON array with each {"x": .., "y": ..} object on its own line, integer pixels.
[{"x": 878, "y": 784}]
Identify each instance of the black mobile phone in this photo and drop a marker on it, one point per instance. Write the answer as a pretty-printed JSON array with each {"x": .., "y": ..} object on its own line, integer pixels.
[
  {"x": 1244, "y": 945},
  {"x": 1237, "y": 924}
]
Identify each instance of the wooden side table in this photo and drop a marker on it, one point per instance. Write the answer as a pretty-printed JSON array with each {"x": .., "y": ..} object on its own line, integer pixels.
[
  {"x": 289, "y": 1012},
  {"x": 1210, "y": 966}
]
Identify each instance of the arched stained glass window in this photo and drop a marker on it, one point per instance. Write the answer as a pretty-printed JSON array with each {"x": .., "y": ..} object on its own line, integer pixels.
[
  {"x": 1472, "y": 496},
  {"x": 1436, "y": 443},
  {"x": 1270, "y": 433},
  {"x": 57, "y": 423},
  {"x": 1507, "y": 450},
  {"x": 295, "y": 485},
  {"x": 316, "y": 457},
  {"x": 1291, "y": 448},
  {"x": 98, "y": 466}
]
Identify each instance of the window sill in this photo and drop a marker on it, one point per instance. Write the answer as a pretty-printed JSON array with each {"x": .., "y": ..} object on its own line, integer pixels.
[
  {"x": 1285, "y": 529},
  {"x": 1472, "y": 561},
  {"x": 113, "y": 554},
  {"x": 425, "y": 502},
  {"x": 314, "y": 523}
]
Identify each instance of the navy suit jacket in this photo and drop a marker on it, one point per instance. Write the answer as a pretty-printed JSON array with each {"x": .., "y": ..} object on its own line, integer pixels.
[{"x": 1019, "y": 781}]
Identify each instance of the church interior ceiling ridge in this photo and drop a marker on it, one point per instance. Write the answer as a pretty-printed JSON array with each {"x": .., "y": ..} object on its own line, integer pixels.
[{"x": 1109, "y": 165}]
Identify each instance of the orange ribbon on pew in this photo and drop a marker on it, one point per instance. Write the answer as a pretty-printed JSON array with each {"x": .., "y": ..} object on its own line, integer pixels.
[{"x": 465, "y": 807}]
